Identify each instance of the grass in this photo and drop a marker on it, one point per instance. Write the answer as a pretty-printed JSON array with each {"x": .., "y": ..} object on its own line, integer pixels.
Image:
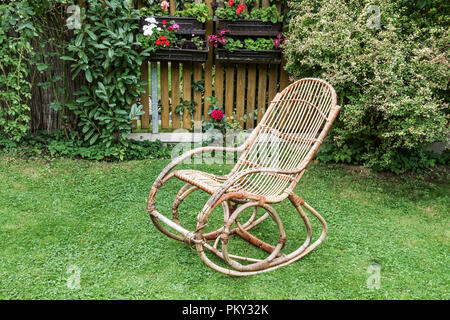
[{"x": 62, "y": 213}]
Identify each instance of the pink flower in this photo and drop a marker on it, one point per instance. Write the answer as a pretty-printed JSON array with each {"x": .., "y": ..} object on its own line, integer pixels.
[
  {"x": 218, "y": 39},
  {"x": 278, "y": 41},
  {"x": 217, "y": 114},
  {"x": 176, "y": 26},
  {"x": 165, "y": 5}
]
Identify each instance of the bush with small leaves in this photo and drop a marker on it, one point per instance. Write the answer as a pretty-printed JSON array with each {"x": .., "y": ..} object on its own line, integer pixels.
[{"x": 391, "y": 74}]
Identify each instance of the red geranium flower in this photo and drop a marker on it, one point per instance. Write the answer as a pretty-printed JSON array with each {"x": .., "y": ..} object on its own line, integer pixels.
[
  {"x": 170, "y": 28},
  {"x": 158, "y": 42},
  {"x": 240, "y": 8},
  {"x": 230, "y": 3},
  {"x": 164, "y": 21},
  {"x": 217, "y": 114}
]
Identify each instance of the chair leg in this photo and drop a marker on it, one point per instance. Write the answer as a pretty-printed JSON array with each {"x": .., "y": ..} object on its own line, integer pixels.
[
  {"x": 231, "y": 212},
  {"x": 267, "y": 264},
  {"x": 154, "y": 214}
]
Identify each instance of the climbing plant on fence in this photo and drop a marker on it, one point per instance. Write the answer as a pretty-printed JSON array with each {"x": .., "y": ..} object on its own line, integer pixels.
[
  {"x": 16, "y": 32},
  {"x": 104, "y": 51}
]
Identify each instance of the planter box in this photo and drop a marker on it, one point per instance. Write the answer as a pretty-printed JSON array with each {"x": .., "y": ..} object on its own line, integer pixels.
[
  {"x": 249, "y": 56},
  {"x": 188, "y": 53},
  {"x": 249, "y": 27},
  {"x": 188, "y": 26}
]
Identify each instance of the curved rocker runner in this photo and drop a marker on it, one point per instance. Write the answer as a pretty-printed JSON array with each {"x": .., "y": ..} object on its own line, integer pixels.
[{"x": 273, "y": 159}]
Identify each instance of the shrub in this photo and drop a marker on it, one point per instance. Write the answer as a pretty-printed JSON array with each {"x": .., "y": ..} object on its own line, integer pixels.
[
  {"x": 392, "y": 81},
  {"x": 105, "y": 52},
  {"x": 55, "y": 144}
]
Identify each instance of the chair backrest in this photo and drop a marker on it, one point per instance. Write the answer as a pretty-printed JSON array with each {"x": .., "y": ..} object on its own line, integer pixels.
[{"x": 288, "y": 135}]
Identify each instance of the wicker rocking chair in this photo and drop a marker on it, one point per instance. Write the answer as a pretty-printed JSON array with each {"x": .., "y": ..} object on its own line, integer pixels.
[{"x": 274, "y": 157}]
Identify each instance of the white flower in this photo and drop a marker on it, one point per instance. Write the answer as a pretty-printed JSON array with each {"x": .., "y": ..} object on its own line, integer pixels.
[
  {"x": 148, "y": 29},
  {"x": 150, "y": 19},
  {"x": 148, "y": 32}
]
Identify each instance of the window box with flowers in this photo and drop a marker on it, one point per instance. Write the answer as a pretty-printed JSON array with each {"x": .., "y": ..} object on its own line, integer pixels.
[
  {"x": 191, "y": 19},
  {"x": 249, "y": 50},
  {"x": 166, "y": 46},
  {"x": 261, "y": 22}
]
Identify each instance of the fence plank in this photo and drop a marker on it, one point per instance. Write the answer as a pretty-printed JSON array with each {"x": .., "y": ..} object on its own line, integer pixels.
[
  {"x": 145, "y": 118},
  {"x": 164, "y": 94},
  {"x": 218, "y": 84},
  {"x": 175, "y": 81},
  {"x": 198, "y": 96},
  {"x": 229, "y": 91},
  {"x": 273, "y": 81},
  {"x": 187, "y": 92},
  {"x": 251, "y": 93},
  {"x": 240, "y": 94},
  {"x": 262, "y": 87},
  {"x": 208, "y": 66},
  {"x": 284, "y": 76},
  {"x": 172, "y": 7},
  {"x": 262, "y": 79}
]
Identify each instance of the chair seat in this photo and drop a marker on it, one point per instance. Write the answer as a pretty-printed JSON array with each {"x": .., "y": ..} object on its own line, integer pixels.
[{"x": 205, "y": 181}]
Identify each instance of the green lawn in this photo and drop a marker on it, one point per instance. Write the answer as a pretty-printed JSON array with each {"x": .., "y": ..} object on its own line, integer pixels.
[{"x": 91, "y": 215}]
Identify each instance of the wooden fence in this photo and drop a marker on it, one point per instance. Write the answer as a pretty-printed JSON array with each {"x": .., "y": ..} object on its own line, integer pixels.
[{"x": 242, "y": 89}]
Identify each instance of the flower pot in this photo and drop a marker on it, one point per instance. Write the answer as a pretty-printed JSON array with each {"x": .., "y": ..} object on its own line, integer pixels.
[
  {"x": 188, "y": 26},
  {"x": 187, "y": 53},
  {"x": 243, "y": 27},
  {"x": 249, "y": 56}
]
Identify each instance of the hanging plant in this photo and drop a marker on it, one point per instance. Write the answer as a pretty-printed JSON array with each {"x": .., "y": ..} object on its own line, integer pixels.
[
  {"x": 250, "y": 50},
  {"x": 260, "y": 22},
  {"x": 200, "y": 11},
  {"x": 166, "y": 46},
  {"x": 155, "y": 37},
  {"x": 232, "y": 10}
]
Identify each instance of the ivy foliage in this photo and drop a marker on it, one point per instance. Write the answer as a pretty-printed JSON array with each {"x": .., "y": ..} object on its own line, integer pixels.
[
  {"x": 16, "y": 54},
  {"x": 391, "y": 73},
  {"x": 105, "y": 52}
]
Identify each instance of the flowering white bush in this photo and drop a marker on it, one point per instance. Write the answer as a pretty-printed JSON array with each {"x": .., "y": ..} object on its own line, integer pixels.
[{"x": 390, "y": 71}]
